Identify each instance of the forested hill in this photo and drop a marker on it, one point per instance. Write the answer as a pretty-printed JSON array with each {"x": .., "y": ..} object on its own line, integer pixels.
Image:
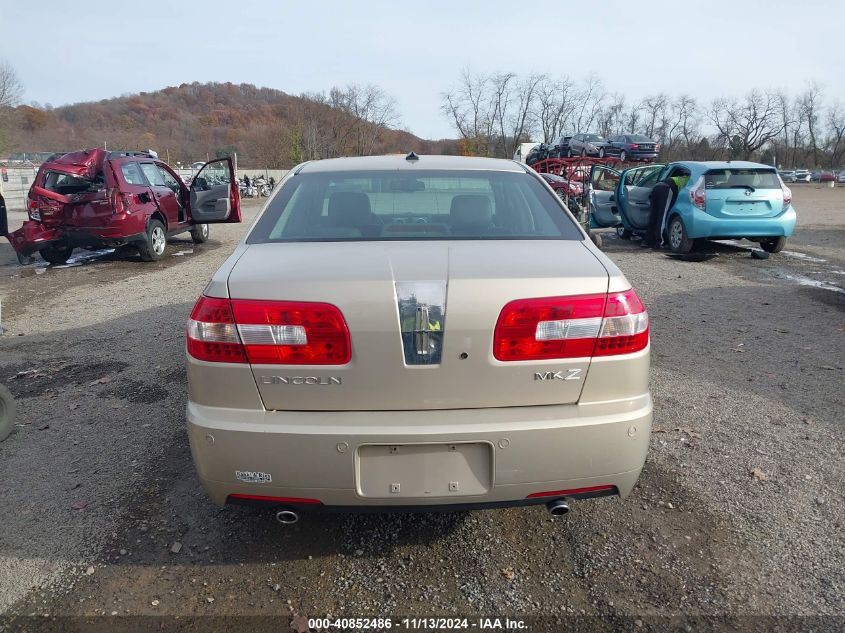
[{"x": 266, "y": 127}]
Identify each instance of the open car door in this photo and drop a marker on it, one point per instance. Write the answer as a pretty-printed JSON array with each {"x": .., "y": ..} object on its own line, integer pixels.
[
  {"x": 603, "y": 181},
  {"x": 213, "y": 195},
  {"x": 633, "y": 194}
]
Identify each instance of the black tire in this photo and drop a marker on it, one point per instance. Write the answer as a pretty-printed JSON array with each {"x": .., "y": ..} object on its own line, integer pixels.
[
  {"x": 155, "y": 241},
  {"x": 623, "y": 233},
  {"x": 199, "y": 233},
  {"x": 56, "y": 254},
  {"x": 773, "y": 245},
  {"x": 8, "y": 411},
  {"x": 583, "y": 152},
  {"x": 623, "y": 156},
  {"x": 596, "y": 239},
  {"x": 601, "y": 152},
  {"x": 679, "y": 240}
]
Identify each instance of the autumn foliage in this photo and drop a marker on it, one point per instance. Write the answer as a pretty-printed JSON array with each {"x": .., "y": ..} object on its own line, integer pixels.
[{"x": 266, "y": 127}]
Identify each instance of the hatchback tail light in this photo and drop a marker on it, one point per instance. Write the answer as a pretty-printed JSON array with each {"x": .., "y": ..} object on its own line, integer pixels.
[
  {"x": 268, "y": 332},
  {"x": 571, "y": 327},
  {"x": 698, "y": 194},
  {"x": 787, "y": 194}
]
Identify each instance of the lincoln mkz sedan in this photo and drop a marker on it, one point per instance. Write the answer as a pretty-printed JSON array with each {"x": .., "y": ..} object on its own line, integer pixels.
[{"x": 420, "y": 332}]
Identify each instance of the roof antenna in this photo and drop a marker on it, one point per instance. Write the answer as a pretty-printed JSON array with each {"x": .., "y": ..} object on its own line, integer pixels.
[{"x": 412, "y": 156}]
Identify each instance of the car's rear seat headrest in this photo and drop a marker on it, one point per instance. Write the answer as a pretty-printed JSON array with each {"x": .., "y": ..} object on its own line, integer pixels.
[
  {"x": 471, "y": 210},
  {"x": 350, "y": 209}
]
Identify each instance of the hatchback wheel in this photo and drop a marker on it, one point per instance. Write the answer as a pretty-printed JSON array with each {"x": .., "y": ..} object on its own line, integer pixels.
[
  {"x": 623, "y": 233},
  {"x": 7, "y": 413},
  {"x": 199, "y": 233},
  {"x": 773, "y": 245},
  {"x": 152, "y": 248},
  {"x": 56, "y": 254},
  {"x": 679, "y": 241}
]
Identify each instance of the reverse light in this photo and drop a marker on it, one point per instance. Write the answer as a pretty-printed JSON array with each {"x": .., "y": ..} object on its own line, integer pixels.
[
  {"x": 698, "y": 194},
  {"x": 268, "y": 332},
  {"x": 571, "y": 327}
]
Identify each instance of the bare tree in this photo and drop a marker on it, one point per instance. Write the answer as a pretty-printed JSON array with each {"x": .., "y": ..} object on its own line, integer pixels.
[
  {"x": 654, "y": 116},
  {"x": 836, "y": 127},
  {"x": 467, "y": 106},
  {"x": 746, "y": 126},
  {"x": 589, "y": 104},
  {"x": 809, "y": 108},
  {"x": 11, "y": 88},
  {"x": 555, "y": 106}
]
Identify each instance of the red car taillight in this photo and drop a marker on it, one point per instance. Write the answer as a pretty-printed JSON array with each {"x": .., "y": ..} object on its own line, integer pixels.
[
  {"x": 268, "y": 332},
  {"x": 634, "y": 146},
  {"x": 571, "y": 327},
  {"x": 787, "y": 195},
  {"x": 698, "y": 194}
]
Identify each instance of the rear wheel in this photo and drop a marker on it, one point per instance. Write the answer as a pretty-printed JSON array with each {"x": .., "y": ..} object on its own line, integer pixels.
[
  {"x": 679, "y": 241},
  {"x": 774, "y": 245},
  {"x": 199, "y": 233},
  {"x": 7, "y": 413},
  {"x": 623, "y": 233},
  {"x": 623, "y": 156},
  {"x": 56, "y": 254},
  {"x": 152, "y": 248},
  {"x": 583, "y": 152},
  {"x": 601, "y": 152}
]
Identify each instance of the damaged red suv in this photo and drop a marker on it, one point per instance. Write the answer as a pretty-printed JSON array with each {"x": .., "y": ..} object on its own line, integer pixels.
[{"x": 101, "y": 199}]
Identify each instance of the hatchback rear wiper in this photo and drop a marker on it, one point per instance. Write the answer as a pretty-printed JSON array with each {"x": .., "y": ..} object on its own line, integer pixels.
[{"x": 749, "y": 187}]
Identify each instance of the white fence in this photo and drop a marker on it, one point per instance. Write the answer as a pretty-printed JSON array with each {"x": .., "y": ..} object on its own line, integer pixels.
[{"x": 16, "y": 181}]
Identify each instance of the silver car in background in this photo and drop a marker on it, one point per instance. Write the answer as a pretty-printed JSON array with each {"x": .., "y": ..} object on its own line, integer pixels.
[{"x": 417, "y": 332}]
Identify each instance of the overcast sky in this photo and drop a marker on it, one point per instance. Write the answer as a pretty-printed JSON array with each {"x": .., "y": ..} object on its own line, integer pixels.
[{"x": 68, "y": 52}]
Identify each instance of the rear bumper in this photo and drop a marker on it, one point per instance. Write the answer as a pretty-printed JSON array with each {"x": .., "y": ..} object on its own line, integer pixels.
[
  {"x": 316, "y": 455},
  {"x": 701, "y": 225}
]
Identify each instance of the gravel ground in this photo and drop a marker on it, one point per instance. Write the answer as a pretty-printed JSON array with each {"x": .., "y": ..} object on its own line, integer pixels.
[{"x": 739, "y": 511}]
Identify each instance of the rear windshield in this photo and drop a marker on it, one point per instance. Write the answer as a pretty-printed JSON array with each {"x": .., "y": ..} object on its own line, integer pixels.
[
  {"x": 67, "y": 184},
  {"x": 639, "y": 138},
  {"x": 424, "y": 205},
  {"x": 741, "y": 179}
]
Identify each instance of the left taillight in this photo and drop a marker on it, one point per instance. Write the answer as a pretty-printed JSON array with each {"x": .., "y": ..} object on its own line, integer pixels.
[
  {"x": 579, "y": 326},
  {"x": 212, "y": 333},
  {"x": 268, "y": 332}
]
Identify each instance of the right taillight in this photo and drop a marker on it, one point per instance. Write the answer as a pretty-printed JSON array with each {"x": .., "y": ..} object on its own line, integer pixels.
[
  {"x": 698, "y": 194},
  {"x": 787, "y": 194},
  {"x": 268, "y": 332},
  {"x": 571, "y": 327}
]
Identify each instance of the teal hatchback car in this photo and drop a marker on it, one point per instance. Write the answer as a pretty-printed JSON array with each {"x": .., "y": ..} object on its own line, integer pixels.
[{"x": 720, "y": 200}]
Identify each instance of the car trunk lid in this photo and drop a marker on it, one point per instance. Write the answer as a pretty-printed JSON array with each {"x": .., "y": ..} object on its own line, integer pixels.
[
  {"x": 741, "y": 192},
  {"x": 380, "y": 287}
]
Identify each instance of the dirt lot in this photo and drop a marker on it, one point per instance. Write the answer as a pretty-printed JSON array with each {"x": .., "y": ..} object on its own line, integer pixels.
[{"x": 739, "y": 514}]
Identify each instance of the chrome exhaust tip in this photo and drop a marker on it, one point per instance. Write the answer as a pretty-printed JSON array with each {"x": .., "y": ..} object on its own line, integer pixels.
[
  {"x": 558, "y": 508},
  {"x": 287, "y": 517}
]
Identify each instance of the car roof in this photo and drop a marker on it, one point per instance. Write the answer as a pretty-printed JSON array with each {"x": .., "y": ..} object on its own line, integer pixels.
[{"x": 398, "y": 162}]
